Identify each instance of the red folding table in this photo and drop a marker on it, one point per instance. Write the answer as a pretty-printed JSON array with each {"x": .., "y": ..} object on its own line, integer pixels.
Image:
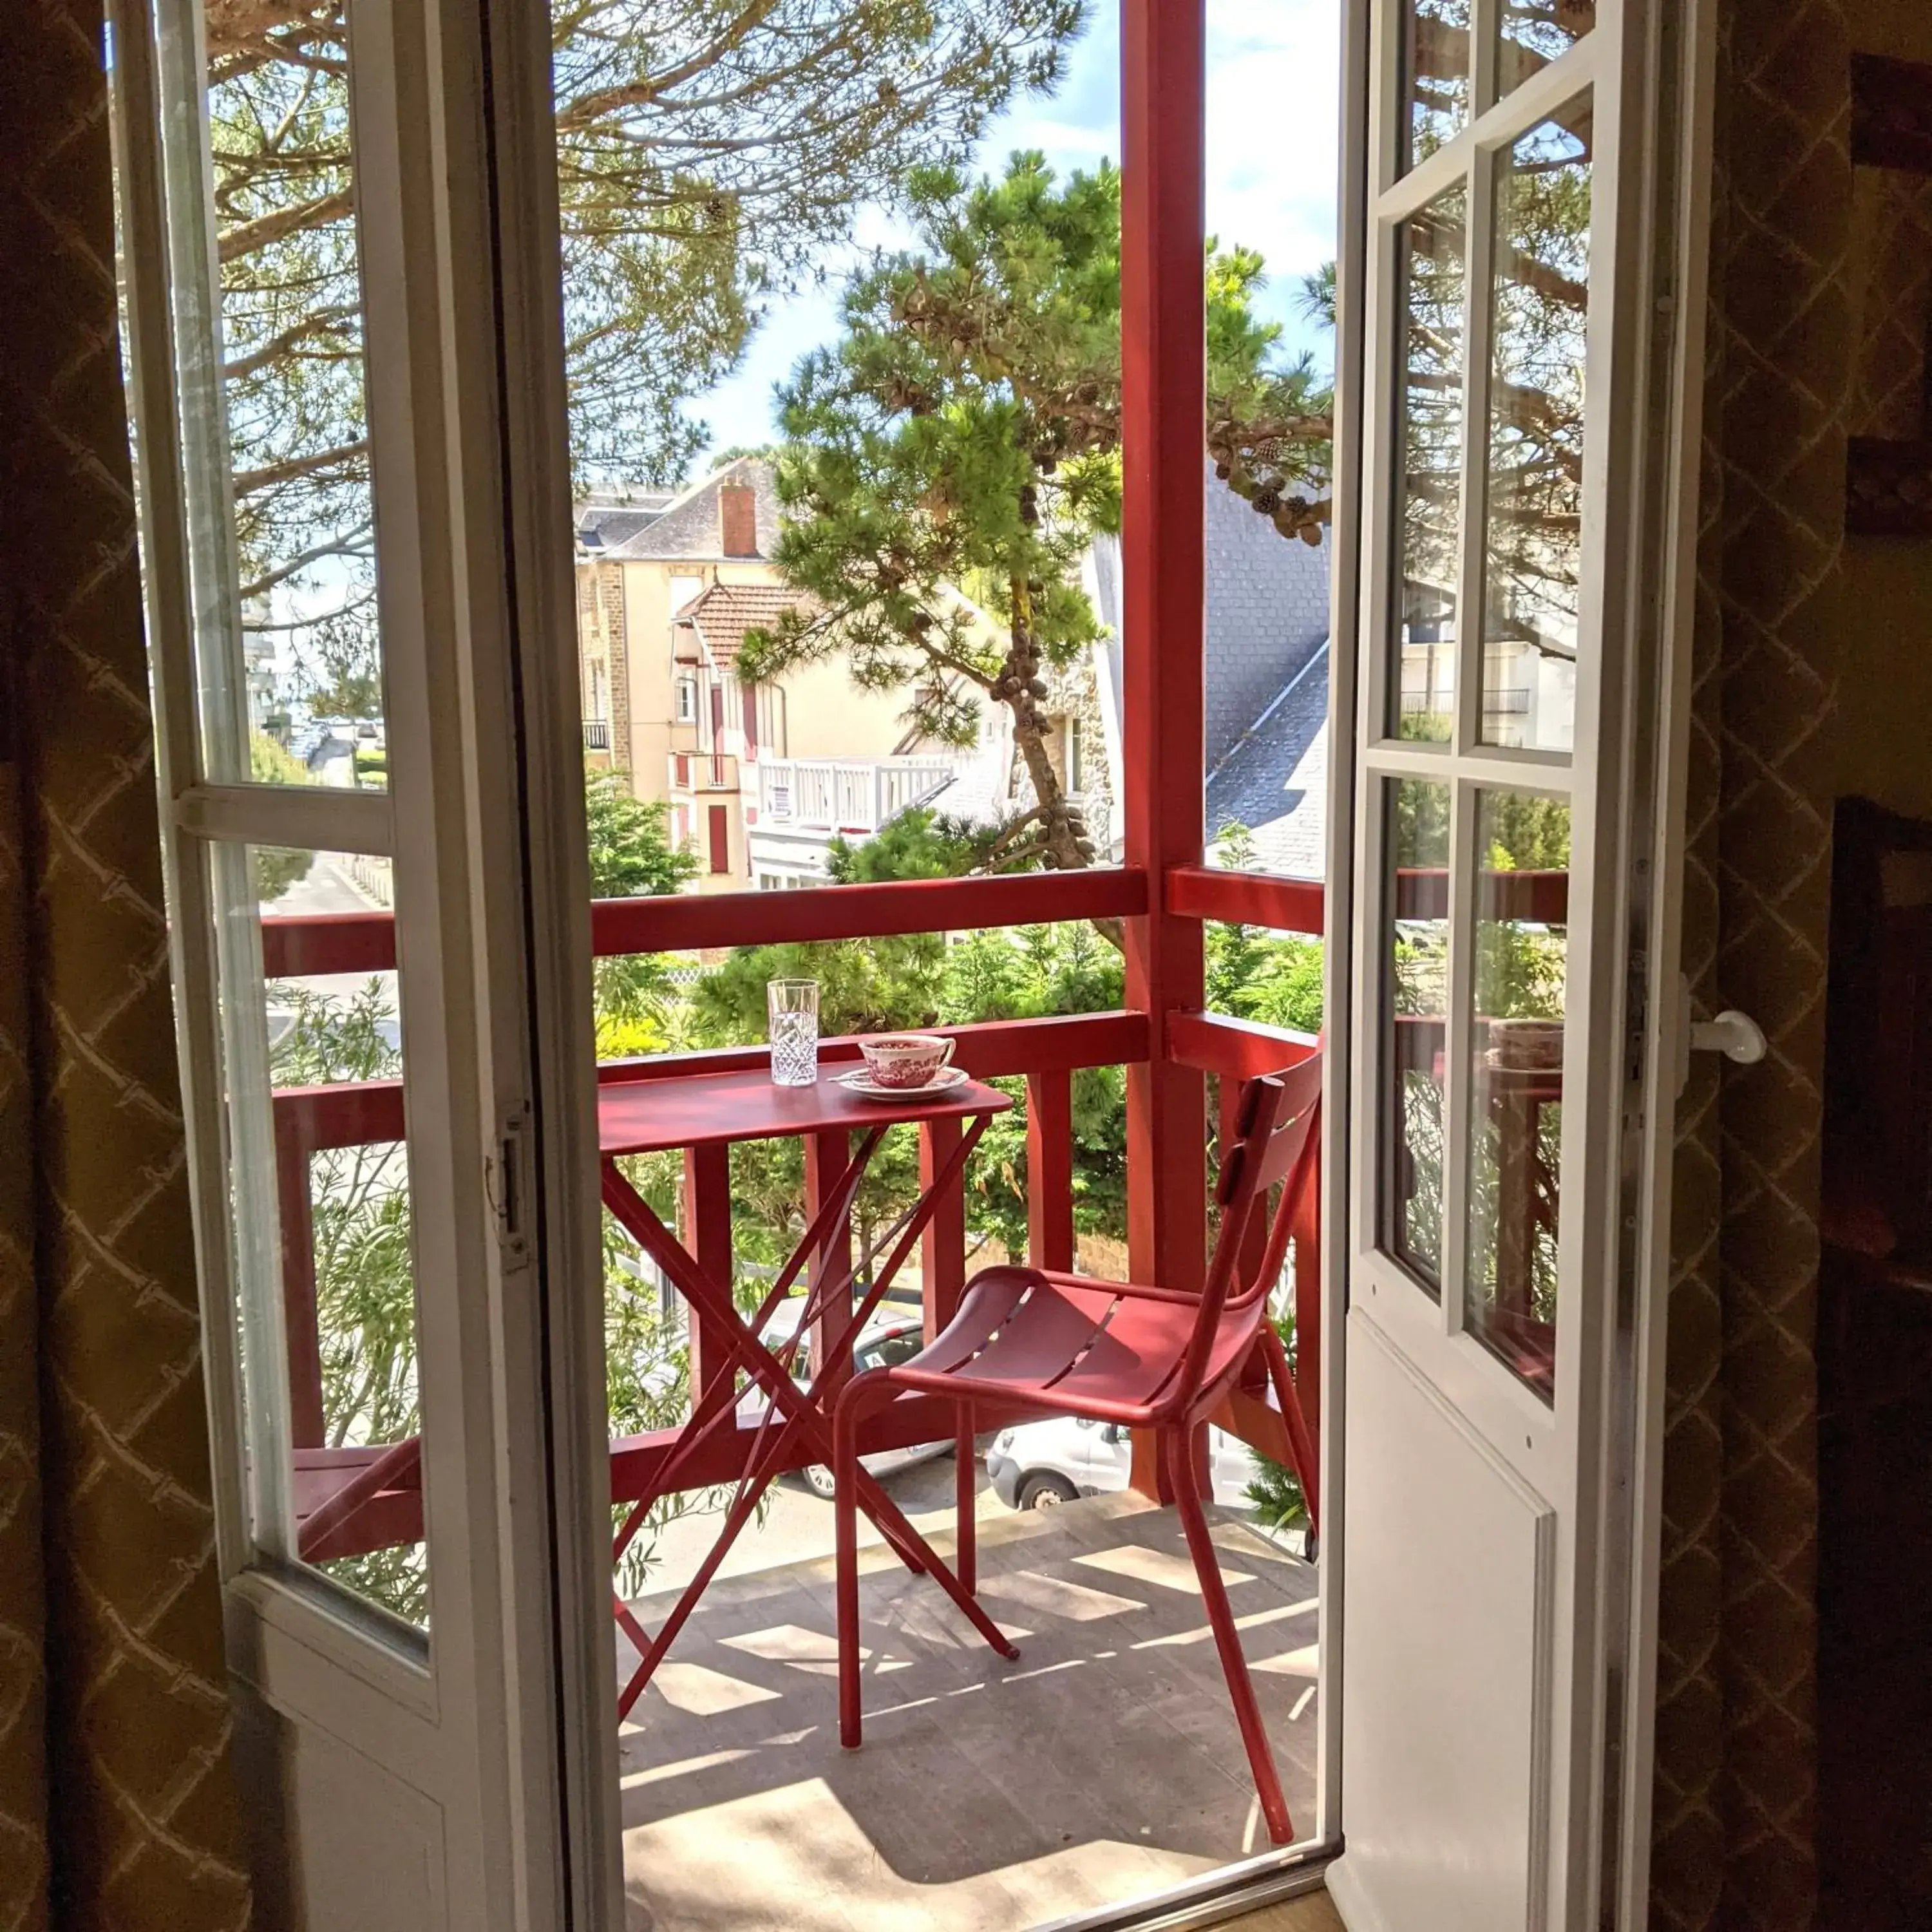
[{"x": 718, "y": 1109}]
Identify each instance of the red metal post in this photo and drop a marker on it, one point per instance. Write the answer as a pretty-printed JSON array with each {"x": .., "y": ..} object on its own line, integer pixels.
[
  {"x": 1163, "y": 431},
  {"x": 707, "y": 1225},
  {"x": 1163, "y": 68},
  {"x": 1050, "y": 1170},
  {"x": 942, "y": 1248},
  {"x": 301, "y": 1332}
]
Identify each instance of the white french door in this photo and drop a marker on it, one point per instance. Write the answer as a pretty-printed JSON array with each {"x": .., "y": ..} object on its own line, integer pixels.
[
  {"x": 316, "y": 398},
  {"x": 1526, "y": 409}
]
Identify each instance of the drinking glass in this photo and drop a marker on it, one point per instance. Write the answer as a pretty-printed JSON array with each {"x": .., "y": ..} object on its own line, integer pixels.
[{"x": 791, "y": 1007}]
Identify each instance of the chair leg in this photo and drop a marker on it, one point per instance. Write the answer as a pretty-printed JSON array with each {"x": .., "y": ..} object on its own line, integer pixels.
[
  {"x": 845, "y": 1471},
  {"x": 1177, "y": 1442},
  {"x": 965, "y": 1486},
  {"x": 845, "y": 1531},
  {"x": 1306, "y": 1466}
]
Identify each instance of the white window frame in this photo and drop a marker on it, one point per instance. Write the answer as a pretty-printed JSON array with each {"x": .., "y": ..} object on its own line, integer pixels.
[{"x": 459, "y": 1733}]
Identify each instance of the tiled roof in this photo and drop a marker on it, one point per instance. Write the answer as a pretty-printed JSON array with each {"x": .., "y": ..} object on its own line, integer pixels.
[
  {"x": 686, "y": 527},
  {"x": 721, "y": 615}
]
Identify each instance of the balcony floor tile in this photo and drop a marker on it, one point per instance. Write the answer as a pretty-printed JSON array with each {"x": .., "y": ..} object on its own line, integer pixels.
[{"x": 989, "y": 1797}]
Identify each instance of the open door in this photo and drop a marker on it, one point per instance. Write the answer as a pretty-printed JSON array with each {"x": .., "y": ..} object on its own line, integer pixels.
[
  {"x": 1527, "y": 401},
  {"x": 314, "y": 396}
]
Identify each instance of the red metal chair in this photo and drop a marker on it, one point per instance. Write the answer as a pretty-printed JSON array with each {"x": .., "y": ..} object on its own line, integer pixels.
[{"x": 1148, "y": 1357}]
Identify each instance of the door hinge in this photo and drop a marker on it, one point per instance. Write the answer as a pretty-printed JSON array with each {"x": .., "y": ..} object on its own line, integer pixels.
[{"x": 512, "y": 1196}]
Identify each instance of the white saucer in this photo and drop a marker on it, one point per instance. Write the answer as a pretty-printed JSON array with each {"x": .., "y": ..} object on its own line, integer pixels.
[{"x": 943, "y": 1082}]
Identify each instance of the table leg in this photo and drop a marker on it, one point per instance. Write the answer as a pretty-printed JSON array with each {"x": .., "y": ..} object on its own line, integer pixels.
[
  {"x": 805, "y": 1415},
  {"x": 965, "y": 1501},
  {"x": 743, "y": 1349}
]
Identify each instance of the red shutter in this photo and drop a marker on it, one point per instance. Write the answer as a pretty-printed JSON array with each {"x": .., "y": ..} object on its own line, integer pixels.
[
  {"x": 751, "y": 720},
  {"x": 721, "y": 839},
  {"x": 717, "y": 714}
]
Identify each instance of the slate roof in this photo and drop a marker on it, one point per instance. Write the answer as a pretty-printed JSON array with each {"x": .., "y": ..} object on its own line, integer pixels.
[
  {"x": 1267, "y": 613},
  {"x": 1274, "y": 779},
  {"x": 1267, "y": 699},
  {"x": 722, "y": 614},
  {"x": 684, "y": 526}
]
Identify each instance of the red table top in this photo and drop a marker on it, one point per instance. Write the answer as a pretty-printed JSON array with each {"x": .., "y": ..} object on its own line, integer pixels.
[{"x": 653, "y": 1116}]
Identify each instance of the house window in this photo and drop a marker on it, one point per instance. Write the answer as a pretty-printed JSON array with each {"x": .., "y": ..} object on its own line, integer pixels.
[
  {"x": 687, "y": 700},
  {"x": 1076, "y": 758},
  {"x": 721, "y": 839}
]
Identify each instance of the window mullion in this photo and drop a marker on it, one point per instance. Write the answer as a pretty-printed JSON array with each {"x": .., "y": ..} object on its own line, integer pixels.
[
  {"x": 218, "y": 671},
  {"x": 168, "y": 604},
  {"x": 1478, "y": 331},
  {"x": 1457, "y": 1034}
]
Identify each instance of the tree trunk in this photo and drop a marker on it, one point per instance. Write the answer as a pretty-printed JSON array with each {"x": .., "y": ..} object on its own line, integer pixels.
[{"x": 1061, "y": 840}]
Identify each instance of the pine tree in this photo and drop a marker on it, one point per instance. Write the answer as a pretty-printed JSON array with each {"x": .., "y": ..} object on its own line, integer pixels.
[
  {"x": 709, "y": 152},
  {"x": 964, "y": 435}
]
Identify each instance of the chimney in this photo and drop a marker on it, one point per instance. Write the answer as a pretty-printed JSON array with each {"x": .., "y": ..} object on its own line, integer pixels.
[{"x": 737, "y": 520}]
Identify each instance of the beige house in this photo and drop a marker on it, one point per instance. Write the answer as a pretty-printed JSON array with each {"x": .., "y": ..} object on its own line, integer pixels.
[{"x": 757, "y": 779}]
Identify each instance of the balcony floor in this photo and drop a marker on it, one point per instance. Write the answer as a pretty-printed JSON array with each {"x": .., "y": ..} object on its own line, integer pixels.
[{"x": 1103, "y": 1766}]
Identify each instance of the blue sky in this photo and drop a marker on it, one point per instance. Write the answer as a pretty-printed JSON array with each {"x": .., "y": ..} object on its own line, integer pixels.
[{"x": 1272, "y": 85}]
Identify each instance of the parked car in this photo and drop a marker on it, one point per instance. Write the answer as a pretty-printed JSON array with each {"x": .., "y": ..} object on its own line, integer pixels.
[
  {"x": 1040, "y": 1465},
  {"x": 891, "y": 1336}
]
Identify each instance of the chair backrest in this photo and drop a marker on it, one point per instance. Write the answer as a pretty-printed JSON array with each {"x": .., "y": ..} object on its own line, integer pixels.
[{"x": 1277, "y": 1133}]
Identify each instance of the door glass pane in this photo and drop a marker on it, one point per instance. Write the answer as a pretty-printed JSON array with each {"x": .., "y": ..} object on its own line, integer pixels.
[
  {"x": 326, "y": 1281},
  {"x": 268, "y": 308},
  {"x": 1516, "y": 1100},
  {"x": 1533, "y": 538},
  {"x": 1435, "y": 76},
  {"x": 1429, "y": 456},
  {"x": 1414, "y": 1003},
  {"x": 1530, "y": 34}
]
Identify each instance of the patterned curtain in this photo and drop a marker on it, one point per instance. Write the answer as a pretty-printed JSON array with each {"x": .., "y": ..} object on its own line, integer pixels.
[
  {"x": 1736, "y": 1773},
  {"x": 117, "y": 1807}
]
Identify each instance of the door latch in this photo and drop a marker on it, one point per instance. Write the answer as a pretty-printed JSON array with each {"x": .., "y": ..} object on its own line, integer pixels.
[{"x": 510, "y": 1196}]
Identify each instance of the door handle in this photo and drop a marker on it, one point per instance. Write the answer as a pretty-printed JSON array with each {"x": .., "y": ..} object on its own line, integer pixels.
[{"x": 1736, "y": 1035}]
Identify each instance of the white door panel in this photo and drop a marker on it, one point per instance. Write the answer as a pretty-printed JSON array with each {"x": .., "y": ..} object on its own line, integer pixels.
[
  {"x": 1450, "y": 1558},
  {"x": 398, "y": 1682},
  {"x": 1521, "y": 390}
]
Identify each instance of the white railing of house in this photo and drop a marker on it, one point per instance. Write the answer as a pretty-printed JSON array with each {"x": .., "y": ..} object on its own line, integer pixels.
[{"x": 844, "y": 795}]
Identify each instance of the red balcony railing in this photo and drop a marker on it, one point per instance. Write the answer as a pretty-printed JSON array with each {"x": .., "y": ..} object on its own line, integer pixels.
[{"x": 1046, "y": 1052}]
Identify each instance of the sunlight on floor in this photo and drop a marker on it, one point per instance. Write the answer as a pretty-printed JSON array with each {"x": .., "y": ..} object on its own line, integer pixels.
[{"x": 1104, "y": 1766}]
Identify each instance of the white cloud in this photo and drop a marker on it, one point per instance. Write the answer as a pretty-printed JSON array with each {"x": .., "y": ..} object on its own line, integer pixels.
[{"x": 1274, "y": 85}]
